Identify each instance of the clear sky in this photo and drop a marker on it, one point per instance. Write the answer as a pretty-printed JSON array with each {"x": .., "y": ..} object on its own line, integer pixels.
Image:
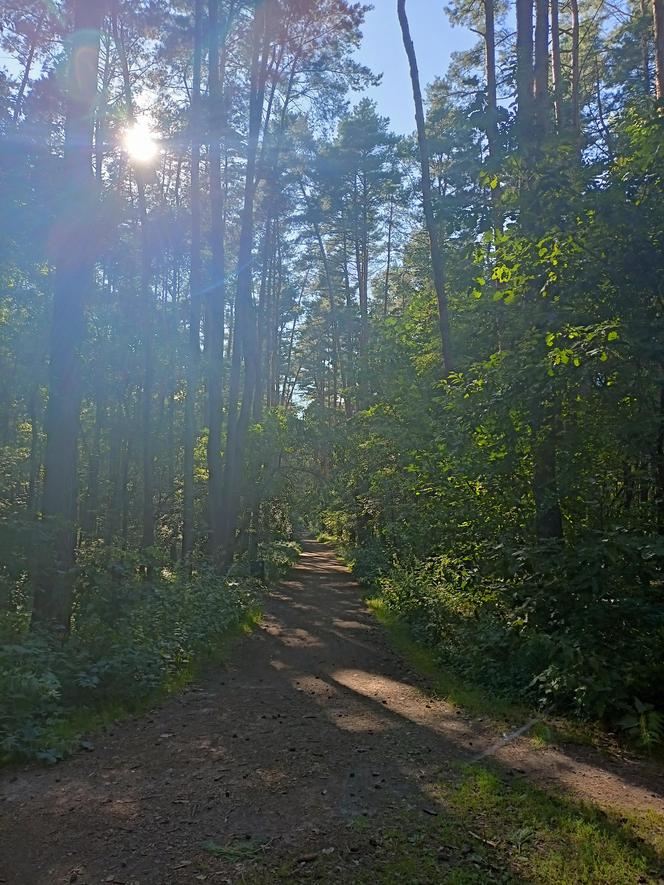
[{"x": 382, "y": 51}]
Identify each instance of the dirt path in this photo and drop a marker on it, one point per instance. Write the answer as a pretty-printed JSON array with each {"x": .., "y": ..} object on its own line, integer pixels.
[{"x": 314, "y": 722}]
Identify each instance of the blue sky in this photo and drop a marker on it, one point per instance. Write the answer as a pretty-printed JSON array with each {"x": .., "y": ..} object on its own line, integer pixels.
[{"x": 382, "y": 51}]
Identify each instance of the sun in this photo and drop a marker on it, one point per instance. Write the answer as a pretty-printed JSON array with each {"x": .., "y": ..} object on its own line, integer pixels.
[{"x": 139, "y": 143}]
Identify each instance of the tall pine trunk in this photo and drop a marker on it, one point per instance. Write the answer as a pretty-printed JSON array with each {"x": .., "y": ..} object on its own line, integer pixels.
[
  {"x": 556, "y": 66},
  {"x": 575, "y": 109},
  {"x": 524, "y": 72},
  {"x": 541, "y": 68},
  {"x": 216, "y": 296},
  {"x": 245, "y": 333},
  {"x": 145, "y": 308},
  {"x": 195, "y": 275},
  {"x": 75, "y": 249},
  {"x": 658, "y": 29},
  {"x": 432, "y": 227}
]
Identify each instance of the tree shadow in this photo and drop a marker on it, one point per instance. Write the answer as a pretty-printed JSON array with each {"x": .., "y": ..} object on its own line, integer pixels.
[{"x": 316, "y": 738}]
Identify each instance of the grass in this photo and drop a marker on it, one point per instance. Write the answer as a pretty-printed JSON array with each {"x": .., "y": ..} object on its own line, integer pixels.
[
  {"x": 475, "y": 699},
  {"x": 489, "y": 828},
  {"x": 544, "y": 837}
]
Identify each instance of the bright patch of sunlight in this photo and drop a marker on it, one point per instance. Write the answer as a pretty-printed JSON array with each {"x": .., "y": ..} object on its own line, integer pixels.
[{"x": 140, "y": 143}]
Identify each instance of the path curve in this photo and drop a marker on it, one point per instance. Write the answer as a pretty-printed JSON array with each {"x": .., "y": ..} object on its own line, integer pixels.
[{"x": 314, "y": 721}]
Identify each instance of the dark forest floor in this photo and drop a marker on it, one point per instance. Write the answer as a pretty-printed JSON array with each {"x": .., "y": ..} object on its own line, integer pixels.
[{"x": 317, "y": 753}]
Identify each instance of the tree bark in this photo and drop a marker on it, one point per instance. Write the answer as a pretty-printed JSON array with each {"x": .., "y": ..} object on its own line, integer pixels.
[
  {"x": 146, "y": 308},
  {"x": 541, "y": 69},
  {"x": 244, "y": 339},
  {"x": 658, "y": 29},
  {"x": 432, "y": 227},
  {"x": 75, "y": 248},
  {"x": 195, "y": 276},
  {"x": 35, "y": 461},
  {"x": 25, "y": 79},
  {"x": 575, "y": 109},
  {"x": 556, "y": 66},
  {"x": 216, "y": 297},
  {"x": 524, "y": 71},
  {"x": 548, "y": 516},
  {"x": 659, "y": 467},
  {"x": 388, "y": 266},
  {"x": 492, "y": 135}
]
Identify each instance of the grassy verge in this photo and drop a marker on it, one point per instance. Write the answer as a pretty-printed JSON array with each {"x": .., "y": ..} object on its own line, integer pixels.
[
  {"x": 71, "y": 729},
  {"x": 74, "y": 731},
  {"x": 138, "y": 634},
  {"x": 474, "y": 699},
  {"x": 486, "y": 828}
]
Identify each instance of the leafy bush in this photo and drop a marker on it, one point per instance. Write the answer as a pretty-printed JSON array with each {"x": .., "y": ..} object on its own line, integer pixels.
[
  {"x": 278, "y": 556},
  {"x": 132, "y": 636},
  {"x": 369, "y": 561},
  {"x": 578, "y": 630}
]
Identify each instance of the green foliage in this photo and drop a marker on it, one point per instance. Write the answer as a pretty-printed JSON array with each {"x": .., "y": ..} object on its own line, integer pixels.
[
  {"x": 644, "y": 723},
  {"x": 439, "y": 488},
  {"x": 369, "y": 561},
  {"x": 278, "y": 555},
  {"x": 133, "y": 635},
  {"x": 578, "y": 630}
]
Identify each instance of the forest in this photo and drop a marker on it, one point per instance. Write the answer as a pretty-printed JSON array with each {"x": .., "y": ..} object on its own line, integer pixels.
[{"x": 238, "y": 311}]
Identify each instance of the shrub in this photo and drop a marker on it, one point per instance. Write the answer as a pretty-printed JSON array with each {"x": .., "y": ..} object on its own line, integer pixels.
[
  {"x": 131, "y": 636},
  {"x": 578, "y": 630}
]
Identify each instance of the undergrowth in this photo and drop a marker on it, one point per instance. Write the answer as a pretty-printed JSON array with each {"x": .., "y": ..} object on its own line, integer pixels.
[
  {"x": 140, "y": 629},
  {"x": 578, "y": 633}
]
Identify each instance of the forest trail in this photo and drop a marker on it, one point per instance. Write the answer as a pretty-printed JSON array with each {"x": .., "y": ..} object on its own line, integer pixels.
[{"x": 313, "y": 722}]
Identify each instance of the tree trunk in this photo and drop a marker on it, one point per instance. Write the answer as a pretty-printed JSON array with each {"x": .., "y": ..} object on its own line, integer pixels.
[
  {"x": 148, "y": 514},
  {"x": 492, "y": 135},
  {"x": 75, "y": 250},
  {"x": 35, "y": 461},
  {"x": 388, "y": 266},
  {"x": 25, "y": 79},
  {"x": 89, "y": 515},
  {"x": 195, "y": 276},
  {"x": 658, "y": 28},
  {"x": 659, "y": 467},
  {"x": 432, "y": 227},
  {"x": 556, "y": 66},
  {"x": 524, "y": 72},
  {"x": 548, "y": 516},
  {"x": 244, "y": 341},
  {"x": 645, "y": 49},
  {"x": 216, "y": 297},
  {"x": 575, "y": 110},
  {"x": 541, "y": 69}
]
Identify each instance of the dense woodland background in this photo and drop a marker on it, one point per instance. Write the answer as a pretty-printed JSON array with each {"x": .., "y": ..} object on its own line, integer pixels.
[{"x": 443, "y": 350}]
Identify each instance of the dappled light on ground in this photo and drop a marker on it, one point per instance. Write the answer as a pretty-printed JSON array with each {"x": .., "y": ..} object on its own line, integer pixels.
[{"x": 315, "y": 723}]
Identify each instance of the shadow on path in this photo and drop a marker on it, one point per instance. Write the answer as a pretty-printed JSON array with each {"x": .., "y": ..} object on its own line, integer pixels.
[{"x": 315, "y": 722}]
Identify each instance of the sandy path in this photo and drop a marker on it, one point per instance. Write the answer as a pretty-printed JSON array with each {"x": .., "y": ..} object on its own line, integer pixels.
[{"x": 314, "y": 721}]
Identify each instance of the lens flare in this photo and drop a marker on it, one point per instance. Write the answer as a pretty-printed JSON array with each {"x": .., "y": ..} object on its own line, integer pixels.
[{"x": 140, "y": 144}]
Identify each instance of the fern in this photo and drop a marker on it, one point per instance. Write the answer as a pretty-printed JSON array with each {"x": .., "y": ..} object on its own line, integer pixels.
[{"x": 644, "y": 723}]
